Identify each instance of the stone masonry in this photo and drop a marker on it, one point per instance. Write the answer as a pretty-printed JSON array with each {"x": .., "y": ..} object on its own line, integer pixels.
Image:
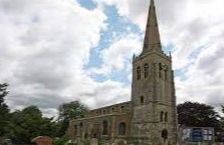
[{"x": 150, "y": 117}]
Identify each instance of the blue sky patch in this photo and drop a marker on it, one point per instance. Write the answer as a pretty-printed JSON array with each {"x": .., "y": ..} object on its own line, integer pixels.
[
  {"x": 88, "y": 4},
  {"x": 120, "y": 27}
]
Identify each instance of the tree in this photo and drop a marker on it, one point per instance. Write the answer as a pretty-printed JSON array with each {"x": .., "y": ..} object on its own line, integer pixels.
[
  {"x": 4, "y": 110},
  {"x": 194, "y": 114},
  {"x": 69, "y": 111},
  {"x": 61, "y": 141},
  {"x": 222, "y": 108},
  {"x": 197, "y": 114},
  {"x": 222, "y": 119},
  {"x": 29, "y": 123}
]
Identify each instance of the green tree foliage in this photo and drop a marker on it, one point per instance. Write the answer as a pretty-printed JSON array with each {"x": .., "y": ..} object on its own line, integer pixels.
[
  {"x": 69, "y": 111},
  {"x": 197, "y": 114},
  {"x": 72, "y": 110},
  {"x": 61, "y": 141},
  {"x": 22, "y": 126},
  {"x": 222, "y": 108},
  {"x": 194, "y": 114},
  {"x": 4, "y": 110},
  {"x": 222, "y": 120},
  {"x": 29, "y": 123}
]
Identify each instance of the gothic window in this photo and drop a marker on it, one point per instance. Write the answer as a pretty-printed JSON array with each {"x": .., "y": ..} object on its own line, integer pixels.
[
  {"x": 166, "y": 75},
  {"x": 166, "y": 72},
  {"x": 80, "y": 128},
  {"x": 96, "y": 130},
  {"x": 160, "y": 66},
  {"x": 161, "y": 116},
  {"x": 94, "y": 135},
  {"x": 122, "y": 128},
  {"x": 75, "y": 129},
  {"x": 146, "y": 70},
  {"x": 164, "y": 134},
  {"x": 166, "y": 116},
  {"x": 86, "y": 135},
  {"x": 142, "y": 100},
  {"x": 160, "y": 70},
  {"x": 138, "y": 73},
  {"x": 105, "y": 127}
]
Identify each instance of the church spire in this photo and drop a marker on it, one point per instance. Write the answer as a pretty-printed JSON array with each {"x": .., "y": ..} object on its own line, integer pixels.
[{"x": 152, "y": 37}]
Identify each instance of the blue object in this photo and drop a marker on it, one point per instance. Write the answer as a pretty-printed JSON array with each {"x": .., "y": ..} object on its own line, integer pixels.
[{"x": 197, "y": 135}]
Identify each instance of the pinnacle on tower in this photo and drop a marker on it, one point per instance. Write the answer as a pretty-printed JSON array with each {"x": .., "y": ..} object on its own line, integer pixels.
[{"x": 152, "y": 37}]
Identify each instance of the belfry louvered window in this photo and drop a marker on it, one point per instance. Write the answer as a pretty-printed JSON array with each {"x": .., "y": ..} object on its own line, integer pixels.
[
  {"x": 161, "y": 116},
  {"x": 138, "y": 73},
  {"x": 146, "y": 70},
  {"x": 142, "y": 100},
  {"x": 166, "y": 117}
]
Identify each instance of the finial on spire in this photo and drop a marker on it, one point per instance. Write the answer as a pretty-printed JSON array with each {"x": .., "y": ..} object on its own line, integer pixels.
[
  {"x": 170, "y": 54},
  {"x": 133, "y": 57},
  {"x": 152, "y": 36}
]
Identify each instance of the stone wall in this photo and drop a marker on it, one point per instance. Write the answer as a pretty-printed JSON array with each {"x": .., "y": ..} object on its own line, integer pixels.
[
  {"x": 113, "y": 109},
  {"x": 94, "y": 128}
]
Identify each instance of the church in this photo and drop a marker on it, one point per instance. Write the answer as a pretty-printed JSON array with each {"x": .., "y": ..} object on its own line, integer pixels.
[{"x": 149, "y": 118}]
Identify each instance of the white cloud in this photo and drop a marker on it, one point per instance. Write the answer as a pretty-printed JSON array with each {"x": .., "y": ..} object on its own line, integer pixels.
[
  {"x": 195, "y": 28},
  {"x": 105, "y": 93},
  {"x": 118, "y": 55},
  {"x": 205, "y": 78},
  {"x": 44, "y": 46}
]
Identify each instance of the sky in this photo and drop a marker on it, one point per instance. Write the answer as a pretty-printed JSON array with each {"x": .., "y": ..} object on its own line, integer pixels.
[{"x": 58, "y": 51}]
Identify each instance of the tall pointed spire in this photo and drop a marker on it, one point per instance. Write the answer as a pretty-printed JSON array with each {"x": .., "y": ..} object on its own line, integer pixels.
[{"x": 152, "y": 37}]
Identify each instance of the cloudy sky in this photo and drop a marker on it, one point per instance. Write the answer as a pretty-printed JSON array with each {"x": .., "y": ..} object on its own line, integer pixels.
[{"x": 56, "y": 51}]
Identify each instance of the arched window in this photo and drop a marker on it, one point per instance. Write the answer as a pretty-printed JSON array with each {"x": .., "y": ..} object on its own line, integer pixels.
[
  {"x": 81, "y": 128},
  {"x": 105, "y": 127},
  {"x": 166, "y": 74},
  {"x": 138, "y": 73},
  {"x": 146, "y": 70},
  {"x": 164, "y": 134},
  {"x": 86, "y": 135},
  {"x": 166, "y": 116},
  {"x": 122, "y": 128},
  {"x": 160, "y": 70},
  {"x": 142, "y": 100},
  {"x": 75, "y": 129},
  {"x": 161, "y": 116},
  {"x": 160, "y": 66}
]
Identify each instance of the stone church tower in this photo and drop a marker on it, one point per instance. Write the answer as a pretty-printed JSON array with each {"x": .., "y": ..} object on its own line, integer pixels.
[
  {"x": 153, "y": 94},
  {"x": 149, "y": 118}
]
